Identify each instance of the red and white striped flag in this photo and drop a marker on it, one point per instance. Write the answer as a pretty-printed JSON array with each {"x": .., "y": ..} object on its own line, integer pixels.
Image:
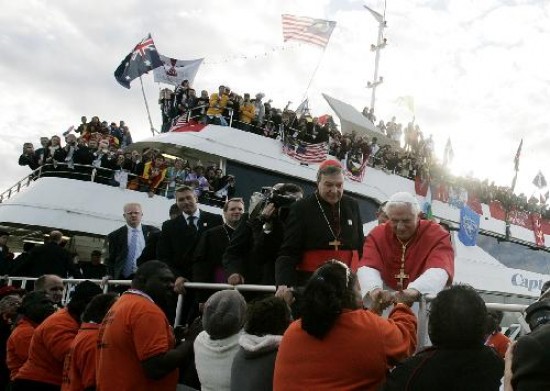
[
  {"x": 307, "y": 152},
  {"x": 302, "y": 28},
  {"x": 182, "y": 125}
]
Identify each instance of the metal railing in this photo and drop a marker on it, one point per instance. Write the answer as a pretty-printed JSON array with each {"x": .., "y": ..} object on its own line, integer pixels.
[{"x": 422, "y": 329}]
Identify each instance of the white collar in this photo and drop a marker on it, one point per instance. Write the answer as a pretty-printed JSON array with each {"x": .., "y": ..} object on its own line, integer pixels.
[{"x": 197, "y": 214}]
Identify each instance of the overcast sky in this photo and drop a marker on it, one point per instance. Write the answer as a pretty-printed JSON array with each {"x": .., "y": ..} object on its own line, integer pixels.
[{"x": 477, "y": 70}]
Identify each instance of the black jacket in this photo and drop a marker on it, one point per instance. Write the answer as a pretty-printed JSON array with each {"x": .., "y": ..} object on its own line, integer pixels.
[
  {"x": 178, "y": 241},
  {"x": 437, "y": 369},
  {"x": 306, "y": 229}
]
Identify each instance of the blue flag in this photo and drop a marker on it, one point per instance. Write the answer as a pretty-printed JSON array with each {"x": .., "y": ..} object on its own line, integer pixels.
[
  {"x": 469, "y": 226},
  {"x": 141, "y": 60}
]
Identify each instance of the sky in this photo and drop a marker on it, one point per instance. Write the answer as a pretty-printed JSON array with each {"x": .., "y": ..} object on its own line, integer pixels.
[{"x": 476, "y": 69}]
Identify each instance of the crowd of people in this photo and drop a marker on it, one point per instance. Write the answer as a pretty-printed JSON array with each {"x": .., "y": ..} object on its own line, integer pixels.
[
  {"x": 342, "y": 315},
  {"x": 101, "y": 152},
  {"x": 104, "y": 146}
]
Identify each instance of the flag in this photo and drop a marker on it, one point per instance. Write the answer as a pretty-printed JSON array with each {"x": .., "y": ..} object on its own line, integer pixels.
[
  {"x": 421, "y": 185},
  {"x": 309, "y": 30},
  {"x": 544, "y": 197},
  {"x": 182, "y": 125},
  {"x": 537, "y": 229},
  {"x": 540, "y": 181},
  {"x": 141, "y": 60},
  {"x": 406, "y": 101},
  {"x": 448, "y": 154},
  {"x": 469, "y": 226},
  {"x": 302, "y": 109},
  {"x": 306, "y": 152},
  {"x": 516, "y": 159},
  {"x": 379, "y": 18},
  {"x": 355, "y": 167},
  {"x": 175, "y": 71}
]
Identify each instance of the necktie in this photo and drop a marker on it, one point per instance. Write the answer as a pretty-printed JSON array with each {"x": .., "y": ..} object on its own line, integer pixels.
[
  {"x": 130, "y": 265},
  {"x": 191, "y": 223}
]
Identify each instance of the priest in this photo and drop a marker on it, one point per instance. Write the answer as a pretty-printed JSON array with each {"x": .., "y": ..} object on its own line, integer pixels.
[
  {"x": 325, "y": 225},
  {"x": 404, "y": 257}
]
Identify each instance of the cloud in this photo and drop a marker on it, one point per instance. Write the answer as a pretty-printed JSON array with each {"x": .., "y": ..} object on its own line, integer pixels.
[{"x": 476, "y": 70}]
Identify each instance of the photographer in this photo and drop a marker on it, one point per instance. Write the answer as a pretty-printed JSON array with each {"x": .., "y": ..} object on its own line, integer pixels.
[{"x": 255, "y": 243}]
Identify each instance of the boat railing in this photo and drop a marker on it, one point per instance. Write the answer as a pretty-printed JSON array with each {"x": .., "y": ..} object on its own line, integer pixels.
[
  {"x": 64, "y": 170},
  {"x": 422, "y": 316}
]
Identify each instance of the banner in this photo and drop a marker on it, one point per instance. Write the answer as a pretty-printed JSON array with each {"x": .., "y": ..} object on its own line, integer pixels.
[
  {"x": 175, "y": 71},
  {"x": 469, "y": 226}
]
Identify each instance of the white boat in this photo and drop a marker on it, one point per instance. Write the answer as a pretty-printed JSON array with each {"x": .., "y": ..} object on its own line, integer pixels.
[{"x": 86, "y": 211}]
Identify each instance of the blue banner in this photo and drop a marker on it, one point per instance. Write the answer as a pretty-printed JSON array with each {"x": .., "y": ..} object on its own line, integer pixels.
[{"x": 469, "y": 226}]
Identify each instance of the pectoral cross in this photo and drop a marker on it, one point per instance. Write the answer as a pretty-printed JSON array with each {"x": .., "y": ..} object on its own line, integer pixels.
[
  {"x": 402, "y": 275},
  {"x": 335, "y": 243}
]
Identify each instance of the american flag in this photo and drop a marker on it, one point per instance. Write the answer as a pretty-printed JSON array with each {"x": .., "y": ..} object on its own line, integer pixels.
[
  {"x": 182, "y": 125},
  {"x": 307, "y": 152},
  {"x": 356, "y": 173},
  {"x": 302, "y": 28}
]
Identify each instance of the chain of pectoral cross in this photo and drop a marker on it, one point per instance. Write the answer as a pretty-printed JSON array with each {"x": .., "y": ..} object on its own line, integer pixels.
[
  {"x": 402, "y": 275},
  {"x": 335, "y": 243}
]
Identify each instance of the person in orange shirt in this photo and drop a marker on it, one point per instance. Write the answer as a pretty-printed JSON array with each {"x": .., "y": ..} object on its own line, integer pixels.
[
  {"x": 35, "y": 307},
  {"x": 136, "y": 342},
  {"x": 79, "y": 371},
  {"x": 495, "y": 338},
  {"x": 51, "y": 341},
  {"x": 337, "y": 345}
]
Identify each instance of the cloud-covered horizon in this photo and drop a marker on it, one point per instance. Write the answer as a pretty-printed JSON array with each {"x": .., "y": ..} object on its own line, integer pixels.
[{"x": 475, "y": 69}]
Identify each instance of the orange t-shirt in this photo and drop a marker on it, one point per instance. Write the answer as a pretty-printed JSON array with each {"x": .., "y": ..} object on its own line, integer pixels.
[
  {"x": 18, "y": 345},
  {"x": 499, "y": 342},
  {"x": 134, "y": 330},
  {"x": 50, "y": 343},
  {"x": 353, "y": 356},
  {"x": 79, "y": 370}
]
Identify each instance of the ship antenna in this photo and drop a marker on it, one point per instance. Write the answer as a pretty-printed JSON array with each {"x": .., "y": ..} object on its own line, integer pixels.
[{"x": 380, "y": 44}]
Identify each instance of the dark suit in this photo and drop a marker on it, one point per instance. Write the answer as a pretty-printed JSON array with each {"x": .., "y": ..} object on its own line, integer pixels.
[
  {"x": 49, "y": 259},
  {"x": 178, "y": 241},
  {"x": 118, "y": 249},
  {"x": 531, "y": 361}
]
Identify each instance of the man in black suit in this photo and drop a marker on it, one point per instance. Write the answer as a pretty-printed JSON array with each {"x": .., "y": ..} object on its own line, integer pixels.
[
  {"x": 180, "y": 236},
  {"x": 50, "y": 258},
  {"x": 127, "y": 243}
]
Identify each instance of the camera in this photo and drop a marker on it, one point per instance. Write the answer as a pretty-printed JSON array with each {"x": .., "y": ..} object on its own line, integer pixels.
[{"x": 276, "y": 197}]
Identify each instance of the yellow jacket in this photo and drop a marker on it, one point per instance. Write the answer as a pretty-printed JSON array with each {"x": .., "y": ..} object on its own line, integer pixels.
[
  {"x": 248, "y": 111},
  {"x": 217, "y": 104}
]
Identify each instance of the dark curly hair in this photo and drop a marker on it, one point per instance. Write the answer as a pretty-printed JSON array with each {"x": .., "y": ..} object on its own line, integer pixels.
[
  {"x": 329, "y": 290},
  {"x": 270, "y": 315},
  {"x": 458, "y": 318}
]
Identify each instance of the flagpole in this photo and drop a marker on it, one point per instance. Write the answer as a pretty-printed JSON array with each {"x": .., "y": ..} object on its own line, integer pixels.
[
  {"x": 380, "y": 44},
  {"x": 315, "y": 71},
  {"x": 153, "y": 130}
]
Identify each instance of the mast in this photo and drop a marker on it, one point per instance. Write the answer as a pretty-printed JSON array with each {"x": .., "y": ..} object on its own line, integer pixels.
[{"x": 381, "y": 43}]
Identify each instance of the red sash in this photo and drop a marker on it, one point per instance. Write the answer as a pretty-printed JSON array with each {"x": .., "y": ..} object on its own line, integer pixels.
[{"x": 312, "y": 259}]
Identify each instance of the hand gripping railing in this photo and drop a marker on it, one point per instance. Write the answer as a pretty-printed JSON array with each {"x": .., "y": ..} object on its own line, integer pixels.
[{"x": 422, "y": 330}]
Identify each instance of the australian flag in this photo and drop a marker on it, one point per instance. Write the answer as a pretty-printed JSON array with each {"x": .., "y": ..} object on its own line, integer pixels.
[
  {"x": 141, "y": 60},
  {"x": 469, "y": 226}
]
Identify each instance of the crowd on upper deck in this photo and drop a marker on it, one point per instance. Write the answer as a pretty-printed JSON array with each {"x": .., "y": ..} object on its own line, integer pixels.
[{"x": 407, "y": 152}]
